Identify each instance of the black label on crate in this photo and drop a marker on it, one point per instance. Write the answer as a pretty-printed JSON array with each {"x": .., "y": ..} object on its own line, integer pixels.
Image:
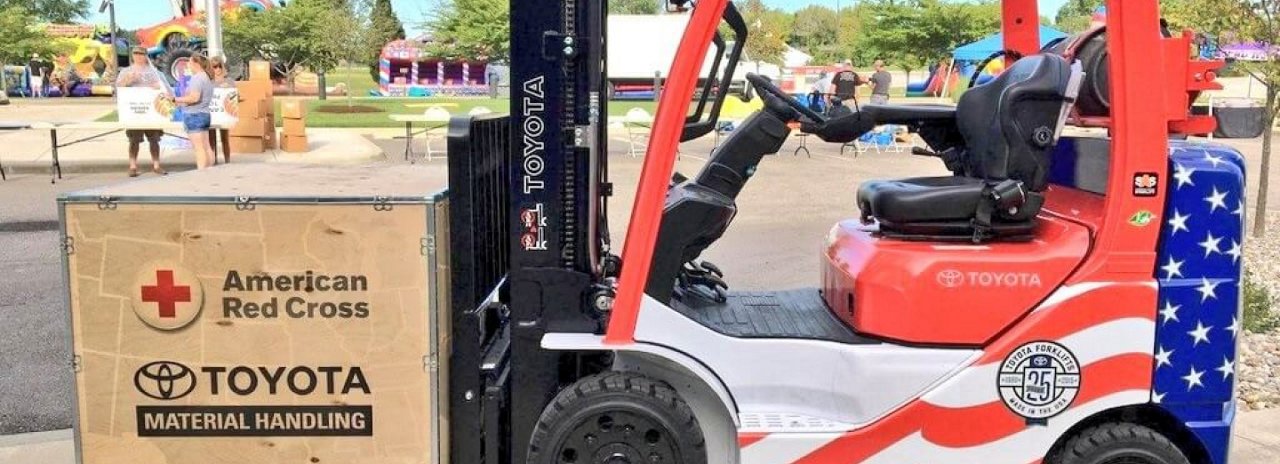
[{"x": 255, "y": 421}]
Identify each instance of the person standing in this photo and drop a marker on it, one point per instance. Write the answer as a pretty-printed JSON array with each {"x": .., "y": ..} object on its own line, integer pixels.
[
  {"x": 844, "y": 84},
  {"x": 35, "y": 69},
  {"x": 141, "y": 74},
  {"x": 880, "y": 82},
  {"x": 218, "y": 66},
  {"x": 195, "y": 115}
]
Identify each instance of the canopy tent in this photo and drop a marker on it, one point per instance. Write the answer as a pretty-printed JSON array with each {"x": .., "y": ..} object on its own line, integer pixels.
[{"x": 982, "y": 49}]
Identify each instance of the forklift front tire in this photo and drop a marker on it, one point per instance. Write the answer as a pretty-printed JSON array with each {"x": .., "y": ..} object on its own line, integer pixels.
[
  {"x": 1120, "y": 442},
  {"x": 617, "y": 418}
]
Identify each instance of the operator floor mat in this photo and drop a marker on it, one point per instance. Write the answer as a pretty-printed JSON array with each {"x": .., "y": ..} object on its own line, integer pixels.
[{"x": 781, "y": 314}]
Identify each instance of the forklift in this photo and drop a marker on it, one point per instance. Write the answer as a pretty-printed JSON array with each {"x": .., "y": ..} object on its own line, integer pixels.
[{"x": 1058, "y": 299}]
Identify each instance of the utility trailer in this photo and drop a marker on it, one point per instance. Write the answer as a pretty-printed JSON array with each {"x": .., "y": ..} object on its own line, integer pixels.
[{"x": 260, "y": 313}]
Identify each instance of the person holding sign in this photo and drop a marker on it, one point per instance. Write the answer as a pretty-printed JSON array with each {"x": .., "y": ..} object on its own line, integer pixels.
[
  {"x": 195, "y": 115},
  {"x": 222, "y": 81},
  {"x": 141, "y": 74}
]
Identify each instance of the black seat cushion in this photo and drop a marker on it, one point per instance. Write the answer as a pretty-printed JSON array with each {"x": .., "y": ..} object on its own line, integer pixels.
[{"x": 951, "y": 198}]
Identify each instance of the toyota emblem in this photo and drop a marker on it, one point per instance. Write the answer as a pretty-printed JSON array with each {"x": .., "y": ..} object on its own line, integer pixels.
[
  {"x": 164, "y": 380},
  {"x": 950, "y": 278}
]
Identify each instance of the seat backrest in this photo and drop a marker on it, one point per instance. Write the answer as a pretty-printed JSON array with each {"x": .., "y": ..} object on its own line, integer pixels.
[{"x": 1010, "y": 123}]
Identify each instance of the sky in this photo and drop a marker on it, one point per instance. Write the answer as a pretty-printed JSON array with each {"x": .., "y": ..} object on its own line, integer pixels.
[{"x": 134, "y": 14}]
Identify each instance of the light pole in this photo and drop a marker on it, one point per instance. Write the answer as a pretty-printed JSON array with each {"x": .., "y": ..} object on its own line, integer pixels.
[
  {"x": 109, "y": 5},
  {"x": 213, "y": 31}
]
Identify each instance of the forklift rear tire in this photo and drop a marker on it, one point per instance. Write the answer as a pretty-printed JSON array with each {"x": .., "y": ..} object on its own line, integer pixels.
[
  {"x": 1120, "y": 443},
  {"x": 617, "y": 418}
]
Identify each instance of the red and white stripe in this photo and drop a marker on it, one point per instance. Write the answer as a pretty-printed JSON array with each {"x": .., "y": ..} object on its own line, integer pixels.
[{"x": 1109, "y": 327}]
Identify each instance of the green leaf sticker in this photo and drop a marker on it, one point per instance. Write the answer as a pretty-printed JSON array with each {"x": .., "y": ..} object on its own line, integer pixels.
[{"x": 1141, "y": 218}]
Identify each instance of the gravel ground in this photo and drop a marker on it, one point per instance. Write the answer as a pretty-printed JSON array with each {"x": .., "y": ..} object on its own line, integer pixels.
[{"x": 1259, "y": 360}]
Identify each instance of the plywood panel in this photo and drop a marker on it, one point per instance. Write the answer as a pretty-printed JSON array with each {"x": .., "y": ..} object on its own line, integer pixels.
[{"x": 286, "y": 333}]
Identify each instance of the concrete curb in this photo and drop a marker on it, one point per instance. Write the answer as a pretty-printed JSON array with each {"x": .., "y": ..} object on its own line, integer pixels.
[{"x": 21, "y": 439}]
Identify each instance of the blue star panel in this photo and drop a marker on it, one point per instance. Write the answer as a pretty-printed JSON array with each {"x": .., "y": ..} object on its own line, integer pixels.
[{"x": 1199, "y": 271}]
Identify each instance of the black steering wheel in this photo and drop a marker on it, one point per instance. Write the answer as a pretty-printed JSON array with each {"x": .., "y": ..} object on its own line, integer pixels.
[
  {"x": 973, "y": 80},
  {"x": 765, "y": 86}
]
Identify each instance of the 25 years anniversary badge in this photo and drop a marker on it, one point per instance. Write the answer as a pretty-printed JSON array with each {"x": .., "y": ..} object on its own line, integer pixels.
[{"x": 1039, "y": 380}]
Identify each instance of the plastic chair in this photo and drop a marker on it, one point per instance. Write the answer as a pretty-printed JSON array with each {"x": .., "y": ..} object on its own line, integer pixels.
[
  {"x": 884, "y": 139},
  {"x": 638, "y": 123},
  {"x": 436, "y": 118}
]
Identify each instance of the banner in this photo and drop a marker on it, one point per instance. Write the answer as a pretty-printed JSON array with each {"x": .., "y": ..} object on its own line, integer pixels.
[
  {"x": 140, "y": 105},
  {"x": 144, "y": 105},
  {"x": 224, "y": 107}
]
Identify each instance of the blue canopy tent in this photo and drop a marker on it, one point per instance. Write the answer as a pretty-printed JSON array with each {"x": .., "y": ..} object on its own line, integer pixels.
[
  {"x": 980, "y": 50},
  {"x": 969, "y": 55}
]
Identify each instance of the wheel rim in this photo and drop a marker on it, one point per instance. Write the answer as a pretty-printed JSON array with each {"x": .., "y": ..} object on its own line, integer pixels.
[
  {"x": 179, "y": 67},
  {"x": 617, "y": 437}
]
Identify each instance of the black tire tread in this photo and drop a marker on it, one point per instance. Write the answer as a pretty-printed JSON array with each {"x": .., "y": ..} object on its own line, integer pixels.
[
  {"x": 644, "y": 388},
  {"x": 1100, "y": 437}
]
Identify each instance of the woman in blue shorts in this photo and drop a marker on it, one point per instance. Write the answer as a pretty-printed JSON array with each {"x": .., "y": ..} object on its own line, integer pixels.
[{"x": 195, "y": 117}]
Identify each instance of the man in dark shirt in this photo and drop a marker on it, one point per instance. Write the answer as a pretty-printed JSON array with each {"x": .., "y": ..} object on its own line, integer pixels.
[
  {"x": 880, "y": 84},
  {"x": 844, "y": 84}
]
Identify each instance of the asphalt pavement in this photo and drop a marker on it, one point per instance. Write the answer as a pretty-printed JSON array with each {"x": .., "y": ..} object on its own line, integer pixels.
[{"x": 35, "y": 356}]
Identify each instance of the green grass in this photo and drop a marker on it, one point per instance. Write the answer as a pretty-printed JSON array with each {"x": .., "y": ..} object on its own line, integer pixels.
[
  {"x": 387, "y": 106},
  {"x": 358, "y": 80}
]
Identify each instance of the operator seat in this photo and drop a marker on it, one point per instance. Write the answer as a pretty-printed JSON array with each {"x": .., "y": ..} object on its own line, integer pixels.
[{"x": 1008, "y": 126}]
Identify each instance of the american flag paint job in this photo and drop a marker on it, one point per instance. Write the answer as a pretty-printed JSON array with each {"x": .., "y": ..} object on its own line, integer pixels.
[{"x": 1168, "y": 340}]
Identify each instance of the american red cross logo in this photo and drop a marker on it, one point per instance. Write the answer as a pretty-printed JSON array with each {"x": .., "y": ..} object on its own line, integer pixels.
[{"x": 165, "y": 294}]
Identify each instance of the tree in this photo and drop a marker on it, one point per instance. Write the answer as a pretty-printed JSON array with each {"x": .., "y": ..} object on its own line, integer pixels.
[
  {"x": 633, "y": 7},
  {"x": 383, "y": 27},
  {"x": 21, "y": 38},
  {"x": 51, "y": 11},
  {"x": 1076, "y": 15},
  {"x": 815, "y": 31},
  {"x": 766, "y": 31},
  {"x": 1245, "y": 21},
  {"x": 306, "y": 34},
  {"x": 477, "y": 29},
  {"x": 912, "y": 33}
]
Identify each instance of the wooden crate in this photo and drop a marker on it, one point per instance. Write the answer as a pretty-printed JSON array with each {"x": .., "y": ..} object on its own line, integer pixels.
[{"x": 260, "y": 313}]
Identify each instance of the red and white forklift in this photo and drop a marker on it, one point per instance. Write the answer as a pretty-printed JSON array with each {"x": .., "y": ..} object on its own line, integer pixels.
[{"x": 1058, "y": 299}]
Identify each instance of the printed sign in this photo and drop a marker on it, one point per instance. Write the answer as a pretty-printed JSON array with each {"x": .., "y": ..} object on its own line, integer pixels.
[
  {"x": 144, "y": 105},
  {"x": 225, "y": 106},
  {"x": 141, "y": 105},
  {"x": 1039, "y": 380},
  {"x": 206, "y": 334}
]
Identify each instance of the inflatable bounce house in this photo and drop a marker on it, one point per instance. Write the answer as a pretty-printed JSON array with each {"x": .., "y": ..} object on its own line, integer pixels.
[
  {"x": 172, "y": 42},
  {"x": 406, "y": 70},
  {"x": 90, "y": 63},
  {"x": 943, "y": 79}
]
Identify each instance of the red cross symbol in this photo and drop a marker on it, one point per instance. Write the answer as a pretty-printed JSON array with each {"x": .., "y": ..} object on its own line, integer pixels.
[{"x": 166, "y": 294}]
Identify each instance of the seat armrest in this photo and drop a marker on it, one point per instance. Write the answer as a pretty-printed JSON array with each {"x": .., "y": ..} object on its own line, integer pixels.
[{"x": 911, "y": 115}]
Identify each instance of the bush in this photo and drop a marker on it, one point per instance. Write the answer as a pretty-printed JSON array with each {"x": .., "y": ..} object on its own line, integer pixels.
[{"x": 1259, "y": 315}]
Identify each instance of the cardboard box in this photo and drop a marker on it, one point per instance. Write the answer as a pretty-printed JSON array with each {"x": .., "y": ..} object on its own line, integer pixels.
[
  {"x": 225, "y": 279},
  {"x": 248, "y": 144},
  {"x": 260, "y": 71},
  {"x": 294, "y": 127},
  {"x": 253, "y": 127},
  {"x": 293, "y": 109},
  {"x": 294, "y": 143},
  {"x": 254, "y": 90},
  {"x": 254, "y": 108}
]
